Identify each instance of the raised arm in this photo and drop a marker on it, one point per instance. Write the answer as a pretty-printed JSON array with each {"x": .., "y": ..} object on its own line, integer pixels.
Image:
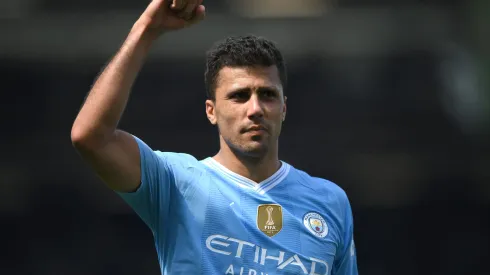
[{"x": 112, "y": 153}]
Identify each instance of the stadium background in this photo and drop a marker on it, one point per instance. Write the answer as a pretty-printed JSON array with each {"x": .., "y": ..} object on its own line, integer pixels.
[{"x": 389, "y": 99}]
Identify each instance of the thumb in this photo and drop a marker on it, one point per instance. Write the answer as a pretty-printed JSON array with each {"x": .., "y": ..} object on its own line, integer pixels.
[{"x": 199, "y": 15}]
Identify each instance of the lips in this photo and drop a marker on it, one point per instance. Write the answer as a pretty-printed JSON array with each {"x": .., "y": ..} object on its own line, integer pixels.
[{"x": 256, "y": 128}]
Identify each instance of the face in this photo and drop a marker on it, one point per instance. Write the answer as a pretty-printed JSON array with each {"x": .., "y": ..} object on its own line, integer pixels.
[{"x": 249, "y": 109}]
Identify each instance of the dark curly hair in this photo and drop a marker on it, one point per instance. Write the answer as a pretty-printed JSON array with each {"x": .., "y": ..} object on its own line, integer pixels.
[{"x": 241, "y": 51}]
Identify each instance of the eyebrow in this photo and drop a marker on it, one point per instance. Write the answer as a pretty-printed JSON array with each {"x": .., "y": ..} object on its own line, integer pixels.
[
  {"x": 247, "y": 89},
  {"x": 268, "y": 88},
  {"x": 239, "y": 90}
]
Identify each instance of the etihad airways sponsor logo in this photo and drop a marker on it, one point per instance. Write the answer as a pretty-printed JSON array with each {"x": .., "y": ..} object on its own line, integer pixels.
[{"x": 243, "y": 249}]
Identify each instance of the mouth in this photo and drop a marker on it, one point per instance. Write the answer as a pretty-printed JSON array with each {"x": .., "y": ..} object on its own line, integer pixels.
[{"x": 256, "y": 129}]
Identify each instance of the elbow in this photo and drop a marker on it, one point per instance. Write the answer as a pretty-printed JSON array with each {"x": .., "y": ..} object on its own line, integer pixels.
[
  {"x": 79, "y": 137},
  {"x": 85, "y": 138}
]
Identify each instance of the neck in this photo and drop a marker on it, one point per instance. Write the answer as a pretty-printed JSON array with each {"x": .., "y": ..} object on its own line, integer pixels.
[{"x": 254, "y": 168}]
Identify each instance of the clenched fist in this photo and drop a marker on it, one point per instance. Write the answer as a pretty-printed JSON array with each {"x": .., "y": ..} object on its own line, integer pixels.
[{"x": 169, "y": 15}]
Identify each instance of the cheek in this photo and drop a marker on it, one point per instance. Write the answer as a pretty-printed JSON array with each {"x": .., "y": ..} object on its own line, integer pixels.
[
  {"x": 226, "y": 121},
  {"x": 275, "y": 113},
  {"x": 224, "y": 117},
  {"x": 275, "y": 117}
]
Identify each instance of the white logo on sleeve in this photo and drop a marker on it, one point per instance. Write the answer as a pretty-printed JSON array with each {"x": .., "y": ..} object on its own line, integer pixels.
[{"x": 316, "y": 224}]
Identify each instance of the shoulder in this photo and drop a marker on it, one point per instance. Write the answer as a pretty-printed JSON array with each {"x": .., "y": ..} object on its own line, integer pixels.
[
  {"x": 176, "y": 158},
  {"x": 318, "y": 184},
  {"x": 167, "y": 170},
  {"x": 187, "y": 174},
  {"x": 171, "y": 158},
  {"x": 327, "y": 189},
  {"x": 181, "y": 163}
]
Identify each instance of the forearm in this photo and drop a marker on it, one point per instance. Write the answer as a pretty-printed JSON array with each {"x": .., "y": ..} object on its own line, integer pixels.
[{"x": 105, "y": 104}]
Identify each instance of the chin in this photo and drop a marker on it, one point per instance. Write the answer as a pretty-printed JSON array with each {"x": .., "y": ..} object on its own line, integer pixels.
[
  {"x": 249, "y": 148},
  {"x": 254, "y": 149}
]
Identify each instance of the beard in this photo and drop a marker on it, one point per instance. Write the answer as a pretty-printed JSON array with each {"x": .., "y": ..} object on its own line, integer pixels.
[{"x": 251, "y": 147}]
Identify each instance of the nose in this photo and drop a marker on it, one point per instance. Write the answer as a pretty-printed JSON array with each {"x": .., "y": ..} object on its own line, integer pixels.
[{"x": 255, "y": 108}]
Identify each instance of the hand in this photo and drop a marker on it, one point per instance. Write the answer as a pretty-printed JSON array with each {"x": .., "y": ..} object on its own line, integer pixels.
[{"x": 170, "y": 15}]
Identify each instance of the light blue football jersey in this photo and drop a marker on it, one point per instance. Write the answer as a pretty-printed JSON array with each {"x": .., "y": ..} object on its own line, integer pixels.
[{"x": 206, "y": 219}]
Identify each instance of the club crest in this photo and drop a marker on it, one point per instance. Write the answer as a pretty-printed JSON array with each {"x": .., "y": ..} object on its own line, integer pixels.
[
  {"x": 316, "y": 224},
  {"x": 269, "y": 218}
]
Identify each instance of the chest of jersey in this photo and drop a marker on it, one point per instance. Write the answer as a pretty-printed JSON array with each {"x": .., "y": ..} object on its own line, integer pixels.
[{"x": 278, "y": 232}]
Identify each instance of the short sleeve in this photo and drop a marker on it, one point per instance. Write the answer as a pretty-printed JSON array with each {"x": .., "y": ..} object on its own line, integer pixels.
[
  {"x": 152, "y": 198},
  {"x": 346, "y": 259}
]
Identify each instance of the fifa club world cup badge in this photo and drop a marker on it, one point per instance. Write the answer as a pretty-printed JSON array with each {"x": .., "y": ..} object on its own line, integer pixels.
[
  {"x": 316, "y": 224},
  {"x": 269, "y": 219}
]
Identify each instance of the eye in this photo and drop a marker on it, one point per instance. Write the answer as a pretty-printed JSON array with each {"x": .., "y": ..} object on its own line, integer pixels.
[
  {"x": 240, "y": 96},
  {"x": 268, "y": 93}
]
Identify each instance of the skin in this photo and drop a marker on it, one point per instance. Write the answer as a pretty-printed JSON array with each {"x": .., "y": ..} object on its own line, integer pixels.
[
  {"x": 113, "y": 153},
  {"x": 249, "y": 109}
]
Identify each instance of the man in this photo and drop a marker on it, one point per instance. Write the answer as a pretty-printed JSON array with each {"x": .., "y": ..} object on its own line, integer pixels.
[{"x": 242, "y": 211}]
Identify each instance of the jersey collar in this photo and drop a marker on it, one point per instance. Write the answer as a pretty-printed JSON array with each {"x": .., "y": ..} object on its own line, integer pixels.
[{"x": 243, "y": 182}]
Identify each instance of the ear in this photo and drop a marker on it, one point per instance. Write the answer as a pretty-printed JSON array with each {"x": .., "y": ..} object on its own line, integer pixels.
[
  {"x": 210, "y": 111},
  {"x": 284, "y": 108}
]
